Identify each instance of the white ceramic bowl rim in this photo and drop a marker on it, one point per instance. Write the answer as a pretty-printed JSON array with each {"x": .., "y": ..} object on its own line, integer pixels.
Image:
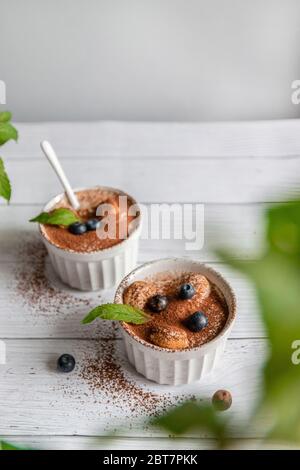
[
  {"x": 57, "y": 198},
  {"x": 232, "y": 314}
]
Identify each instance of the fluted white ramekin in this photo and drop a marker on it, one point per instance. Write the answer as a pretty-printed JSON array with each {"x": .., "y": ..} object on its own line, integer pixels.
[
  {"x": 173, "y": 367},
  {"x": 96, "y": 270}
]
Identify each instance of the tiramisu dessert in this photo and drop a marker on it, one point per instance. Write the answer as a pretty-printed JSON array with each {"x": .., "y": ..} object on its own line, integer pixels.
[
  {"x": 187, "y": 310},
  {"x": 82, "y": 236},
  {"x": 95, "y": 246}
]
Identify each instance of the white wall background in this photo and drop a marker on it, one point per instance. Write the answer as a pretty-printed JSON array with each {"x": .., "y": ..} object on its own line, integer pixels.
[{"x": 149, "y": 59}]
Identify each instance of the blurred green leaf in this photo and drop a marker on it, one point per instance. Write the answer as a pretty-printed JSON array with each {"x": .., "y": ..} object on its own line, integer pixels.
[
  {"x": 7, "y": 446},
  {"x": 283, "y": 229},
  {"x": 276, "y": 277},
  {"x": 194, "y": 416},
  {"x": 5, "y": 187},
  {"x": 5, "y": 116},
  {"x": 7, "y": 132}
]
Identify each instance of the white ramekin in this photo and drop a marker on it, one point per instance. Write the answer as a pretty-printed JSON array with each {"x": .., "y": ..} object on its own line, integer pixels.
[
  {"x": 166, "y": 366},
  {"x": 96, "y": 270}
]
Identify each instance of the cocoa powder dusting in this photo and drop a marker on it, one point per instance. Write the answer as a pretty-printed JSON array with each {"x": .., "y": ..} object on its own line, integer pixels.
[
  {"x": 105, "y": 374},
  {"x": 34, "y": 287}
]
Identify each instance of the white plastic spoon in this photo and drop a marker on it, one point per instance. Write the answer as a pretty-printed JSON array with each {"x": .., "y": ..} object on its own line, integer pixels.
[{"x": 54, "y": 162}]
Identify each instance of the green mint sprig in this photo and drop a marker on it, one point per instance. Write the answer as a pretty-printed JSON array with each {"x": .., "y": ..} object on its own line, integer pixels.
[
  {"x": 5, "y": 187},
  {"x": 119, "y": 312},
  {"x": 7, "y": 132},
  {"x": 59, "y": 216}
]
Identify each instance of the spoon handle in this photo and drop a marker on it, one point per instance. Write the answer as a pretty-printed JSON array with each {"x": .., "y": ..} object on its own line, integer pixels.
[{"x": 54, "y": 162}]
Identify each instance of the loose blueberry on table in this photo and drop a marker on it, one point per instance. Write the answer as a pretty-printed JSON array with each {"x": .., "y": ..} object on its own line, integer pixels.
[
  {"x": 66, "y": 363},
  {"x": 186, "y": 291},
  {"x": 196, "y": 322},
  {"x": 158, "y": 303},
  {"x": 77, "y": 228}
]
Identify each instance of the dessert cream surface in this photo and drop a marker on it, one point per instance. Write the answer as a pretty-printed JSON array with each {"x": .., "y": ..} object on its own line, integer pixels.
[
  {"x": 168, "y": 328},
  {"x": 89, "y": 241}
]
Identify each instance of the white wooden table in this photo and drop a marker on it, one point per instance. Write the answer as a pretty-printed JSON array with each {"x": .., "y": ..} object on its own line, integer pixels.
[{"x": 235, "y": 169}]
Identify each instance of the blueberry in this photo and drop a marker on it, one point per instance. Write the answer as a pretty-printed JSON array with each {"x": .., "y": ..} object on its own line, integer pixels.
[
  {"x": 66, "y": 363},
  {"x": 78, "y": 228},
  {"x": 186, "y": 291},
  {"x": 92, "y": 224},
  {"x": 196, "y": 322},
  {"x": 157, "y": 303}
]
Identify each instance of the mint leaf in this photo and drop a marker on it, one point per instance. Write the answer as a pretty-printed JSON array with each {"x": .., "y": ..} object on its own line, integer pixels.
[
  {"x": 7, "y": 132},
  {"x": 5, "y": 116},
  {"x": 59, "y": 216},
  {"x": 5, "y": 188},
  {"x": 120, "y": 312}
]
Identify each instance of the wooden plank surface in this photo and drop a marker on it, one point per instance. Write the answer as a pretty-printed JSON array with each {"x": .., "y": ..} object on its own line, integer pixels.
[
  {"x": 267, "y": 139},
  {"x": 37, "y": 400},
  {"x": 117, "y": 443},
  {"x": 204, "y": 180},
  {"x": 127, "y": 443}
]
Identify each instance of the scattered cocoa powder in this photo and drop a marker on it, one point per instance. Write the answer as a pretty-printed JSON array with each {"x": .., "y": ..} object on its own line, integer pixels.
[
  {"x": 101, "y": 377},
  {"x": 34, "y": 288},
  {"x": 105, "y": 374}
]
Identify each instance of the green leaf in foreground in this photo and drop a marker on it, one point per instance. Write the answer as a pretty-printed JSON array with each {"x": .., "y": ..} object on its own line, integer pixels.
[
  {"x": 276, "y": 276},
  {"x": 194, "y": 416},
  {"x": 7, "y": 132},
  {"x": 7, "y": 446},
  {"x": 283, "y": 229},
  {"x": 119, "y": 312},
  {"x": 5, "y": 187},
  {"x": 5, "y": 116},
  {"x": 59, "y": 216}
]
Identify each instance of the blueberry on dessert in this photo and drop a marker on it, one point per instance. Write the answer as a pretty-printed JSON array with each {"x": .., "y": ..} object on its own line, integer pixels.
[
  {"x": 196, "y": 322},
  {"x": 78, "y": 228},
  {"x": 158, "y": 303},
  {"x": 93, "y": 224},
  {"x": 186, "y": 291}
]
